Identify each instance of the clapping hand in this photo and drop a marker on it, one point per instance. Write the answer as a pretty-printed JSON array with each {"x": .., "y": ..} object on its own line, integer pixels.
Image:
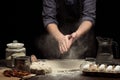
[{"x": 66, "y": 41}]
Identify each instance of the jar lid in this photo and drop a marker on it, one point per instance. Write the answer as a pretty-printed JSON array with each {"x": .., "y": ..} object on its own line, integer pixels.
[{"x": 15, "y": 44}]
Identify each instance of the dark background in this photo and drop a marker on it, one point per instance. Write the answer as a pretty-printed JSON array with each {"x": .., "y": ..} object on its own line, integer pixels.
[{"x": 21, "y": 20}]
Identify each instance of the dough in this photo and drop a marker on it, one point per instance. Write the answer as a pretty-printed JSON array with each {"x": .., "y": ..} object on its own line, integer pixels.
[{"x": 40, "y": 68}]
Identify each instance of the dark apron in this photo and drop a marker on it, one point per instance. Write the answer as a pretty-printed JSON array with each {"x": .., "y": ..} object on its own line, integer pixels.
[{"x": 69, "y": 23}]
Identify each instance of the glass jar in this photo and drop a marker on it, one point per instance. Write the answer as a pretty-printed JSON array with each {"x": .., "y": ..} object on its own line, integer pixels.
[
  {"x": 14, "y": 50},
  {"x": 105, "y": 50},
  {"x": 22, "y": 63}
]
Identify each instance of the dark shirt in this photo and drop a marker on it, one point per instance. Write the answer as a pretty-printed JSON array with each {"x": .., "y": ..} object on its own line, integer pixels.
[{"x": 51, "y": 9}]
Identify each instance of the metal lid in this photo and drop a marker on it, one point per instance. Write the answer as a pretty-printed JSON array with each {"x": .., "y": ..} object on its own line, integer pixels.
[{"x": 15, "y": 44}]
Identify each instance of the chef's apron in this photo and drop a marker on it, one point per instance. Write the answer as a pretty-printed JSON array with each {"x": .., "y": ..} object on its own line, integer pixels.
[{"x": 68, "y": 17}]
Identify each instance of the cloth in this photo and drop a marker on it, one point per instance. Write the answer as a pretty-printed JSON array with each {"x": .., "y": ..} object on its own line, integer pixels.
[{"x": 69, "y": 10}]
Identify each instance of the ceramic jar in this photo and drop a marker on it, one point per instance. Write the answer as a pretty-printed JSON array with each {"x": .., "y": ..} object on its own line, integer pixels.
[{"x": 13, "y": 50}]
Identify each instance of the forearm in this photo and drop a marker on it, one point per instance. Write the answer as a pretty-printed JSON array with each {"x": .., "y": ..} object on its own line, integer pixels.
[
  {"x": 83, "y": 28},
  {"x": 88, "y": 17},
  {"x": 54, "y": 31}
]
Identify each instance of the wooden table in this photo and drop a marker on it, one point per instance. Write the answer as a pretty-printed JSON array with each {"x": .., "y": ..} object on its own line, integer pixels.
[
  {"x": 2, "y": 77},
  {"x": 77, "y": 75}
]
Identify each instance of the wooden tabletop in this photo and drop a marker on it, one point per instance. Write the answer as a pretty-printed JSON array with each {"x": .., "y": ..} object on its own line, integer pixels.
[
  {"x": 66, "y": 76},
  {"x": 2, "y": 77},
  {"x": 77, "y": 75},
  {"x": 72, "y": 77}
]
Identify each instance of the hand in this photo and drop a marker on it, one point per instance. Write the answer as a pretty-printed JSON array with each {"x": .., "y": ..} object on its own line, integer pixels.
[
  {"x": 64, "y": 43},
  {"x": 73, "y": 36},
  {"x": 71, "y": 39}
]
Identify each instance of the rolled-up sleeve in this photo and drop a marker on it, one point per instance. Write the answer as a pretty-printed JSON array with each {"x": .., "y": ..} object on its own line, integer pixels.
[
  {"x": 89, "y": 11},
  {"x": 49, "y": 12}
]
